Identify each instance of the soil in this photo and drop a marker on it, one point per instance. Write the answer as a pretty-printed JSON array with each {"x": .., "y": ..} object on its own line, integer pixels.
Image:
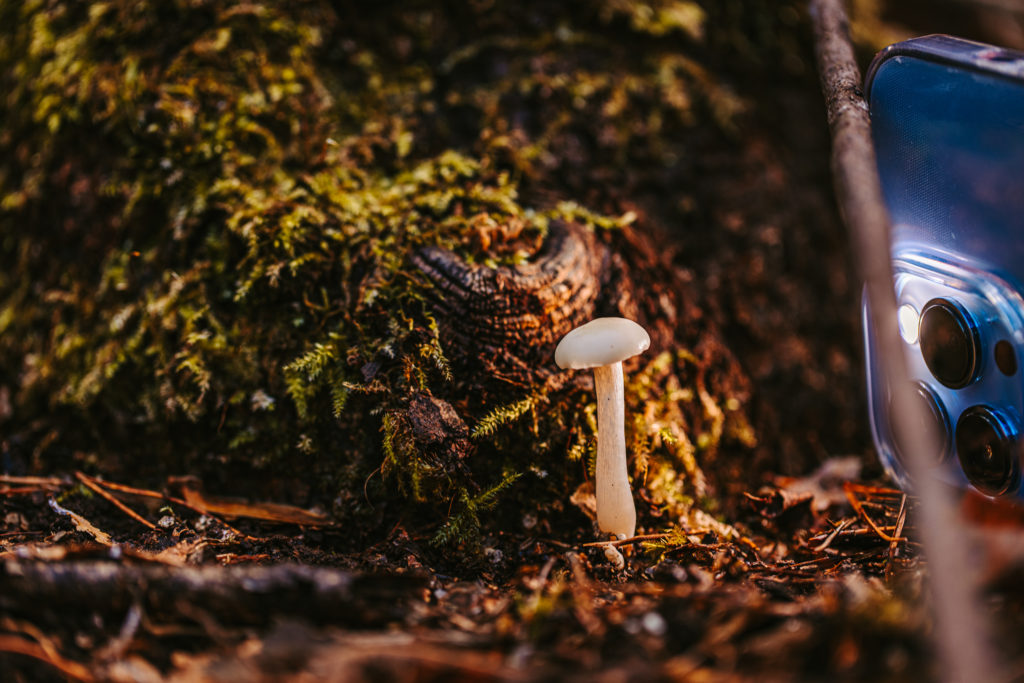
[{"x": 807, "y": 570}]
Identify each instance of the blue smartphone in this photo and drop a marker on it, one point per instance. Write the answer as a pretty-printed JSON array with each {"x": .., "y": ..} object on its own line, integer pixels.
[{"x": 947, "y": 118}]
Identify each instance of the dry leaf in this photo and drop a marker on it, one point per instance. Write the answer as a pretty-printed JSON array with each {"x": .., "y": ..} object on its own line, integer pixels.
[{"x": 268, "y": 512}]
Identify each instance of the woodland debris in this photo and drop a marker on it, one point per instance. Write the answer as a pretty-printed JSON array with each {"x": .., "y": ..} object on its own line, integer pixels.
[
  {"x": 901, "y": 520},
  {"x": 146, "y": 493},
  {"x": 851, "y": 493},
  {"x": 825, "y": 484},
  {"x": 264, "y": 512},
  {"x": 26, "y": 484},
  {"x": 296, "y": 651},
  {"x": 23, "y": 646},
  {"x": 81, "y": 523},
  {"x": 94, "y": 486}
]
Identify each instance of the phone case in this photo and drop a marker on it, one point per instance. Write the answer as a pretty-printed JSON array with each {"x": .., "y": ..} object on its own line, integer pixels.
[{"x": 947, "y": 119}]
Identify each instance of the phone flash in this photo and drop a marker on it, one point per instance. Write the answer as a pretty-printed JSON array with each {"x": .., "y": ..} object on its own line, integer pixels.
[{"x": 910, "y": 321}]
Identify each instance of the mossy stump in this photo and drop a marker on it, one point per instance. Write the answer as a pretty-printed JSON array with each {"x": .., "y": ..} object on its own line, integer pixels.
[{"x": 324, "y": 253}]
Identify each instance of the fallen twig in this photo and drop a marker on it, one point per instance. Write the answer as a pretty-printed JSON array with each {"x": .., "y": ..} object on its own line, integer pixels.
[
  {"x": 862, "y": 513},
  {"x": 39, "y": 482},
  {"x": 146, "y": 493},
  {"x": 627, "y": 541},
  {"x": 94, "y": 486},
  {"x": 961, "y": 631},
  {"x": 24, "y": 490},
  {"x": 901, "y": 519},
  {"x": 832, "y": 536},
  {"x": 863, "y": 531}
]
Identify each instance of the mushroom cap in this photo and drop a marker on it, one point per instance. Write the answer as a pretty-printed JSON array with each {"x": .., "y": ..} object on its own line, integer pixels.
[{"x": 600, "y": 342}]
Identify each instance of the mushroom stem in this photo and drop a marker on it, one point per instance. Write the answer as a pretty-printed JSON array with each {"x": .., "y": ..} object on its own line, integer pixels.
[{"x": 616, "y": 513}]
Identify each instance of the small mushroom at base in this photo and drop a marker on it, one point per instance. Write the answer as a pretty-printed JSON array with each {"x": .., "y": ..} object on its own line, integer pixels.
[
  {"x": 612, "y": 554},
  {"x": 603, "y": 344}
]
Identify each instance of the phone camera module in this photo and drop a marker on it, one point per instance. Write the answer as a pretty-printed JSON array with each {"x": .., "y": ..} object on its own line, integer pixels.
[
  {"x": 988, "y": 449},
  {"x": 950, "y": 343},
  {"x": 934, "y": 419}
]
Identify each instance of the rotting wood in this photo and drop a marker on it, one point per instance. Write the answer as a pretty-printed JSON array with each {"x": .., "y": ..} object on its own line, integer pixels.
[{"x": 516, "y": 312}]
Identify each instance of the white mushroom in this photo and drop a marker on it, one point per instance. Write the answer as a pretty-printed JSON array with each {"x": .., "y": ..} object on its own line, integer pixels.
[{"x": 603, "y": 344}]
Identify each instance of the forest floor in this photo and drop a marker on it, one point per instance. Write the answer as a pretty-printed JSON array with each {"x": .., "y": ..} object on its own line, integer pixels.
[
  {"x": 826, "y": 577},
  {"x": 817, "y": 575}
]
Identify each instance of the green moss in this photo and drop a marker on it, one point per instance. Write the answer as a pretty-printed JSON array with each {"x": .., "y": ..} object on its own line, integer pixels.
[
  {"x": 463, "y": 528},
  {"x": 207, "y": 212}
]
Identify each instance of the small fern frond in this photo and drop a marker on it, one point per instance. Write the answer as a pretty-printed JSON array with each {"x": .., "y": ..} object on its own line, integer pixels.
[
  {"x": 339, "y": 395},
  {"x": 503, "y": 415},
  {"x": 463, "y": 528},
  {"x": 489, "y": 498},
  {"x": 313, "y": 362}
]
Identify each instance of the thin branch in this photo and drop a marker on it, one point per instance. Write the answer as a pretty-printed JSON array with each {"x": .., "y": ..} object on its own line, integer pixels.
[
  {"x": 961, "y": 631},
  {"x": 832, "y": 536},
  {"x": 862, "y": 513},
  {"x": 51, "y": 482},
  {"x": 627, "y": 541},
  {"x": 123, "y": 488},
  {"x": 901, "y": 519},
  {"x": 95, "y": 487}
]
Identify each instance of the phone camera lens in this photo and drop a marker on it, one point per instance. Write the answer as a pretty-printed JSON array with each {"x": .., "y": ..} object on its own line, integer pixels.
[
  {"x": 949, "y": 343},
  {"x": 934, "y": 419},
  {"x": 1006, "y": 358},
  {"x": 987, "y": 446}
]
